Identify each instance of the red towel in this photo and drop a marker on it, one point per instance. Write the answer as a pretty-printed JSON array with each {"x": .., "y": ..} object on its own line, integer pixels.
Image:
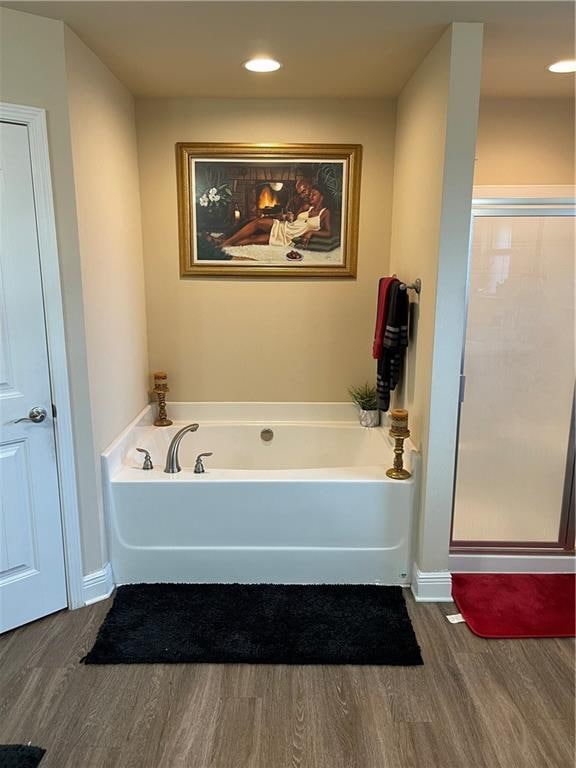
[{"x": 383, "y": 285}]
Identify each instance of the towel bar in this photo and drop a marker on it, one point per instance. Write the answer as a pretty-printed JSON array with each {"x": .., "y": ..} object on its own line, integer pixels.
[{"x": 415, "y": 286}]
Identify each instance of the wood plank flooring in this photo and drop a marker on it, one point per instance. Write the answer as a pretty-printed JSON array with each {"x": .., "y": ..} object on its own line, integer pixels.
[{"x": 474, "y": 704}]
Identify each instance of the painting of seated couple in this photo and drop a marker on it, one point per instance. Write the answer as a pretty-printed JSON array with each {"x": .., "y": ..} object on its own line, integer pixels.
[{"x": 253, "y": 214}]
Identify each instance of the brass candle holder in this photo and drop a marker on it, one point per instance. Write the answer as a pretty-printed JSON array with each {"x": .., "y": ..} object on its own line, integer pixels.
[
  {"x": 399, "y": 431},
  {"x": 160, "y": 390}
]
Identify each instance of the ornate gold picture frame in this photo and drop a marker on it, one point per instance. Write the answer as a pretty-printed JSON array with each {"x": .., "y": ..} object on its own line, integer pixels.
[{"x": 268, "y": 209}]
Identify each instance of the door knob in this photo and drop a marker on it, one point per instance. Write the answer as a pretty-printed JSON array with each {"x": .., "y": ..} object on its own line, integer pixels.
[{"x": 36, "y": 415}]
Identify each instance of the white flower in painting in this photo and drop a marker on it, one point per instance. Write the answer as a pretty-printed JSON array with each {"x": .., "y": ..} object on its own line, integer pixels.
[
  {"x": 213, "y": 194},
  {"x": 203, "y": 201}
]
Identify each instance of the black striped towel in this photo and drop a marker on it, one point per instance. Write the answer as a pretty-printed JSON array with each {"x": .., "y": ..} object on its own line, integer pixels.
[{"x": 394, "y": 344}]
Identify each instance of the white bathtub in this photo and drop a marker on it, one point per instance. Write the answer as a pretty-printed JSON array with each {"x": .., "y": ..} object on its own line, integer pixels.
[{"x": 314, "y": 505}]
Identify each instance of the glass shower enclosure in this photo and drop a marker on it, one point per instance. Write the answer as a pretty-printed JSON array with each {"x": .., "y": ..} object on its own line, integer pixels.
[{"x": 514, "y": 487}]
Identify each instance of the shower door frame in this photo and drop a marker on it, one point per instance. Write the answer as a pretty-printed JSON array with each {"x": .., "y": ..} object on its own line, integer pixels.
[{"x": 500, "y": 207}]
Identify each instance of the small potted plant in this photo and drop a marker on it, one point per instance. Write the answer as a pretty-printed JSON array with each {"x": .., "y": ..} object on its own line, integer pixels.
[{"x": 366, "y": 399}]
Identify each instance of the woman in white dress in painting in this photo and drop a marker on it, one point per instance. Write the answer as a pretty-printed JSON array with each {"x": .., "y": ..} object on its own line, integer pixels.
[{"x": 314, "y": 220}]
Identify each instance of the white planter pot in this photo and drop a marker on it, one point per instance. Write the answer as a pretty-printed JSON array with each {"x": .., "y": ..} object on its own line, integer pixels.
[{"x": 370, "y": 418}]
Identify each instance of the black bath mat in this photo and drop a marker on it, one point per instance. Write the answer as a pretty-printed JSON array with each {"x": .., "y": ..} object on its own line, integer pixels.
[
  {"x": 256, "y": 624},
  {"x": 20, "y": 756}
]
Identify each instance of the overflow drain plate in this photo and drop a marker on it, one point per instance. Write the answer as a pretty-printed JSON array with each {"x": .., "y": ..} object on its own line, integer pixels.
[{"x": 267, "y": 435}]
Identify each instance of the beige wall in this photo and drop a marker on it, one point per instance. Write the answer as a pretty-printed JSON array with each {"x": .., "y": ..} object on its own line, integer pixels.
[
  {"x": 269, "y": 340},
  {"x": 103, "y": 133},
  {"x": 433, "y": 171},
  {"x": 525, "y": 141},
  {"x": 34, "y": 74},
  {"x": 418, "y": 186},
  {"x": 105, "y": 158}
]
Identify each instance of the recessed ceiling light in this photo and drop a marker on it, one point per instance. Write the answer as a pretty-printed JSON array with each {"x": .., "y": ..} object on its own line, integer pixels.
[
  {"x": 567, "y": 65},
  {"x": 262, "y": 65}
]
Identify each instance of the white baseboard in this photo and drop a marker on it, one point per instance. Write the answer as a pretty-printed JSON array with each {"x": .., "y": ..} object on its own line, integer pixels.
[
  {"x": 489, "y": 563},
  {"x": 431, "y": 586},
  {"x": 98, "y": 585}
]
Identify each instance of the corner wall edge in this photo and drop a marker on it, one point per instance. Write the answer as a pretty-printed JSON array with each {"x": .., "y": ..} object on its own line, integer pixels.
[
  {"x": 98, "y": 585},
  {"x": 431, "y": 586}
]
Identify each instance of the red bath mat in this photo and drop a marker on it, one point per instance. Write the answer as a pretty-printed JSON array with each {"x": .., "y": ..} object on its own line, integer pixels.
[{"x": 516, "y": 604}]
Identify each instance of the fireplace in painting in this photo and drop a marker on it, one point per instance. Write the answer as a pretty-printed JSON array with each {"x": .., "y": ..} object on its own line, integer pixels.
[
  {"x": 271, "y": 197},
  {"x": 260, "y": 189}
]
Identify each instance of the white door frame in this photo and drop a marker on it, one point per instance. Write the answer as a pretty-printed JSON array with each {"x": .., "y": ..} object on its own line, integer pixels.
[{"x": 35, "y": 120}]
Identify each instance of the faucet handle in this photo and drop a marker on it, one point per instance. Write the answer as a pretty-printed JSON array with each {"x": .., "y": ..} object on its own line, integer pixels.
[
  {"x": 199, "y": 465},
  {"x": 147, "y": 459}
]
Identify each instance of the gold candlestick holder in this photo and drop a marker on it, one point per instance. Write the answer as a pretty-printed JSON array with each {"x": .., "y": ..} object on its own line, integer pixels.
[
  {"x": 160, "y": 390},
  {"x": 399, "y": 432}
]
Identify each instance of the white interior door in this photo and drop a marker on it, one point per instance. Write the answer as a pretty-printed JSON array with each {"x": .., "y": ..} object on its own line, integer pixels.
[{"x": 32, "y": 577}]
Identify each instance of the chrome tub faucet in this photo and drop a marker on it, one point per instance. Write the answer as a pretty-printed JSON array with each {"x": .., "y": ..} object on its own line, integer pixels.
[
  {"x": 147, "y": 459},
  {"x": 172, "y": 464},
  {"x": 199, "y": 468}
]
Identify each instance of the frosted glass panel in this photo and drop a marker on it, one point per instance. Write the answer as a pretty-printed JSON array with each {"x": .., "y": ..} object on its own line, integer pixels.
[{"x": 519, "y": 367}]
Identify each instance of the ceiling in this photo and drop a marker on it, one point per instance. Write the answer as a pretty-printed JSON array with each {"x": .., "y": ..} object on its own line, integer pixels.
[{"x": 341, "y": 49}]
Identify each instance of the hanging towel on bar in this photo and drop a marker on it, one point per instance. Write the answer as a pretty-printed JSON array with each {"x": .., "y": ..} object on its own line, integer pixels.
[
  {"x": 383, "y": 287},
  {"x": 394, "y": 343}
]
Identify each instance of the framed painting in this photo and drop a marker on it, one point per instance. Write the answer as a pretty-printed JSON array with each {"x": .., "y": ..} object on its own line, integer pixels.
[{"x": 268, "y": 209}]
